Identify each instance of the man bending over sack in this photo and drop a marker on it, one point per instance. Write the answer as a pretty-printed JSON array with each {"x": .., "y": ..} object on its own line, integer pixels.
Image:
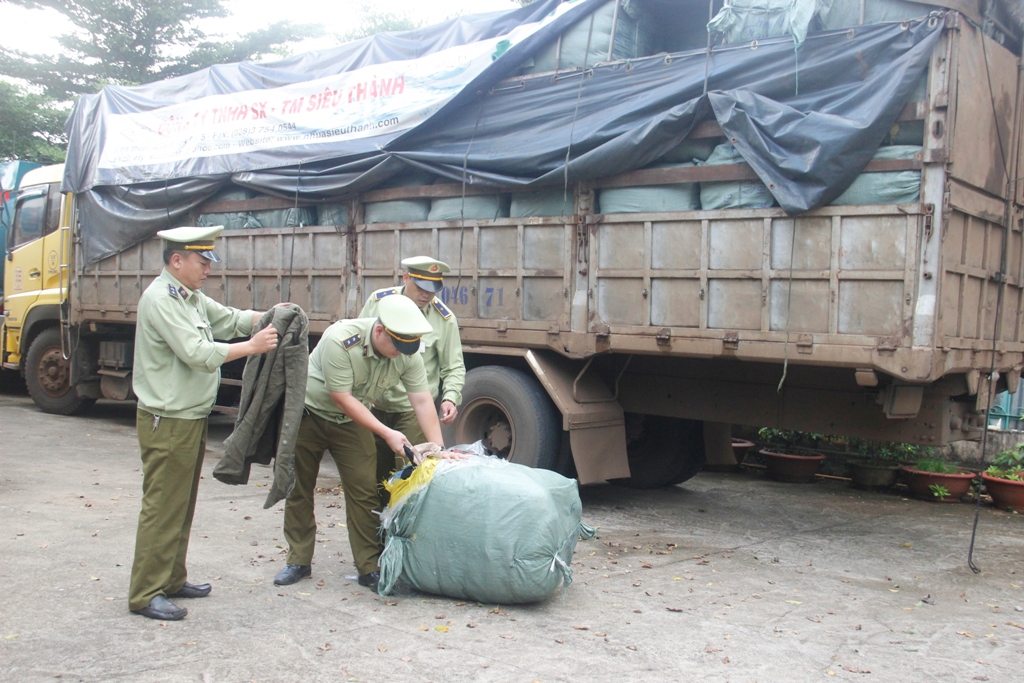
[
  {"x": 355, "y": 362},
  {"x": 441, "y": 350}
]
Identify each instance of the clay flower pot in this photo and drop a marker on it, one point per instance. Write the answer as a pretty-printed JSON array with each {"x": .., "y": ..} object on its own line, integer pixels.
[
  {"x": 872, "y": 475},
  {"x": 1006, "y": 493},
  {"x": 794, "y": 469},
  {"x": 918, "y": 482},
  {"x": 739, "y": 449}
]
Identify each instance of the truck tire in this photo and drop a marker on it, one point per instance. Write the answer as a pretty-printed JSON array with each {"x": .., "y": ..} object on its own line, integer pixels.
[
  {"x": 511, "y": 412},
  {"x": 667, "y": 451},
  {"x": 48, "y": 376}
]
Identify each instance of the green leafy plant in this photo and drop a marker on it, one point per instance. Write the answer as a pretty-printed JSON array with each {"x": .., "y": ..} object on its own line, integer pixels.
[
  {"x": 938, "y": 490},
  {"x": 936, "y": 466},
  {"x": 1008, "y": 464},
  {"x": 789, "y": 440},
  {"x": 887, "y": 450},
  {"x": 994, "y": 471},
  {"x": 784, "y": 440}
]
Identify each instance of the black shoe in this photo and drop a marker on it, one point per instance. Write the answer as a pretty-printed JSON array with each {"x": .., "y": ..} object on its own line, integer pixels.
[
  {"x": 191, "y": 590},
  {"x": 163, "y": 609},
  {"x": 370, "y": 580},
  {"x": 292, "y": 573}
]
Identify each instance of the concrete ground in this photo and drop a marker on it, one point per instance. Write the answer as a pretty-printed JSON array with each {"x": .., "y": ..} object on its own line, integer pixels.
[{"x": 728, "y": 577}]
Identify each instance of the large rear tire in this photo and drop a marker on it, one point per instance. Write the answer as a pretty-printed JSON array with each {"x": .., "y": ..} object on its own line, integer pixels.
[
  {"x": 511, "y": 413},
  {"x": 665, "y": 451},
  {"x": 48, "y": 376}
]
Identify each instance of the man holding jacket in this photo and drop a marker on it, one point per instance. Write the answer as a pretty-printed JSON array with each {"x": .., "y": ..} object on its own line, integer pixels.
[{"x": 176, "y": 374}]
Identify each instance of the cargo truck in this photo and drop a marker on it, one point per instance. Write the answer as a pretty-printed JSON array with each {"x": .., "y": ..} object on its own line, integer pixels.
[
  {"x": 649, "y": 238},
  {"x": 11, "y": 173}
]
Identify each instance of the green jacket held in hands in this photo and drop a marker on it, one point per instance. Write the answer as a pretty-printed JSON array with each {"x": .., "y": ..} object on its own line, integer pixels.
[{"x": 273, "y": 392}]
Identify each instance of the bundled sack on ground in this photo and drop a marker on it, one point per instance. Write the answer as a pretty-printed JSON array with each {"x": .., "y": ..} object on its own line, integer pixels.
[{"x": 480, "y": 529}]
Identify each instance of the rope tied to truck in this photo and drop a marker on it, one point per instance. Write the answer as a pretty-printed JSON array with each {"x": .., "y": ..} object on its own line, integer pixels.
[
  {"x": 462, "y": 208},
  {"x": 301, "y": 224},
  {"x": 575, "y": 114},
  {"x": 789, "y": 307},
  {"x": 1000, "y": 278}
]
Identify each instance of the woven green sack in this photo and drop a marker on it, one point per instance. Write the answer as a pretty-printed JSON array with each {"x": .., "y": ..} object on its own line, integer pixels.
[
  {"x": 482, "y": 529},
  {"x": 556, "y": 202},
  {"x": 735, "y": 194},
  {"x": 887, "y": 187},
  {"x": 651, "y": 198}
]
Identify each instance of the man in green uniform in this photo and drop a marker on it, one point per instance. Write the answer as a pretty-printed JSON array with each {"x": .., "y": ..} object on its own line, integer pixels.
[
  {"x": 355, "y": 362},
  {"x": 175, "y": 376},
  {"x": 442, "y": 358}
]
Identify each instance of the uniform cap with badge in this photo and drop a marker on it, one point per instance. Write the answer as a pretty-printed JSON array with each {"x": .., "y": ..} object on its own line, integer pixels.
[
  {"x": 197, "y": 239},
  {"x": 427, "y": 272},
  {"x": 403, "y": 322}
]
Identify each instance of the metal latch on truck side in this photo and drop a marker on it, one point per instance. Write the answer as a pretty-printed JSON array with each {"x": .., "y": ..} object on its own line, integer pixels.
[{"x": 929, "y": 213}]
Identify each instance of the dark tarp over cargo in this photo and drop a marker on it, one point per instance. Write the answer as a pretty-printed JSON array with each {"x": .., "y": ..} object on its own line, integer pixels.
[{"x": 807, "y": 120}]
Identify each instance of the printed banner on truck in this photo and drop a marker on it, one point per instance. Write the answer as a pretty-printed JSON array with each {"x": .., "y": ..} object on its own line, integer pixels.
[{"x": 379, "y": 99}]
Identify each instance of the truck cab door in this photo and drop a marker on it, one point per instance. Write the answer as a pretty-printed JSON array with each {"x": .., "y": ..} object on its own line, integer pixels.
[{"x": 32, "y": 259}]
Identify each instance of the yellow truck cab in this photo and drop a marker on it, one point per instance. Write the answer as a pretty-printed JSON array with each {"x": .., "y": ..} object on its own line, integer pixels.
[{"x": 35, "y": 287}]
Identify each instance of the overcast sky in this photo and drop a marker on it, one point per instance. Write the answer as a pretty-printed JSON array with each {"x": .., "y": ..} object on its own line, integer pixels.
[{"x": 33, "y": 30}]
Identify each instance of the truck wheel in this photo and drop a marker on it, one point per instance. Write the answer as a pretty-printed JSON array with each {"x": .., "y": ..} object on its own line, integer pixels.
[
  {"x": 513, "y": 415},
  {"x": 48, "y": 376},
  {"x": 665, "y": 452}
]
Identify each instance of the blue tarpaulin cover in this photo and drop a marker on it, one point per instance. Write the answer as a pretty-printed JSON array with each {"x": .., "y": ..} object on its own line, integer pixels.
[{"x": 806, "y": 119}]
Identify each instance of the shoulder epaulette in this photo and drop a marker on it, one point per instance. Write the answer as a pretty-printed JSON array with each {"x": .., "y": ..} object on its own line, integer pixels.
[
  {"x": 172, "y": 290},
  {"x": 351, "y": 341},
  {"x": 442, "y": 309},
  {"x": 380, "y": 294}
]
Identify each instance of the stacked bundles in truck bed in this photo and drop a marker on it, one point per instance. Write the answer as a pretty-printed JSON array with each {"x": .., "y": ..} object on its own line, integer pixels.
[
  {"x": 733, "y": 194},
  {"x": 623, "y": 34},
  {"x": 470, "y": 207},
  {"x": 644, "y": 198},
  {"x": 887, "y": 187},
  {"x": 400, "y": 210},
  {"x": 553, "y": 202},
  {"x": 291, "y": 217}
]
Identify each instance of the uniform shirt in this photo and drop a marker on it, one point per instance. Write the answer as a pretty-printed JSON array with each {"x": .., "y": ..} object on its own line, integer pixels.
[
  {"x": 344, "y": 361},
  {"x": 177, "y": 362},
  {"x": 441, "y": 350}
]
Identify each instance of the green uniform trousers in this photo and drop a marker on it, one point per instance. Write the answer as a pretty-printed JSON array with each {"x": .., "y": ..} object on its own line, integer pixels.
[
  {"x": 172, "y": 458},
  {"x": 351, "y": 446},
  {"x": 387, "y": 460}
]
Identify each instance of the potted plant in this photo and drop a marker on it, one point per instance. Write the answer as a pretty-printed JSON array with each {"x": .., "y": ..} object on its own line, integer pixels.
[
  {"x": 740, "y": 448},
  {"x": 787, "y": 458},
  {"x": 937, "y": 480},
  {"x": 878, "y": 466},
  {"x": 1004, "y": 479}
]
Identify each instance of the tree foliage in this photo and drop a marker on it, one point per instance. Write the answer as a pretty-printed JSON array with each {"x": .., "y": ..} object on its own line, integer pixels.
[
  {"x": 128, "y": 42},
  {"x": 30, "y": 128},
  {"x": 374, "y": 20}
]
